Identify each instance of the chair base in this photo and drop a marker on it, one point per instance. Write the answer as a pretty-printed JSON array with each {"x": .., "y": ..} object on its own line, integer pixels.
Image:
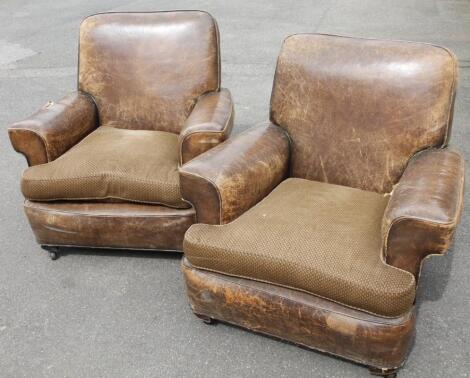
[
  {"x": 108, "y": 225},
  {"x": 380, "y": 343}
]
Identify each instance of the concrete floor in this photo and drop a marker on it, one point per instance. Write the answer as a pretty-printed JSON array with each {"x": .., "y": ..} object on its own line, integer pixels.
[{"x": 126, "y": 315}]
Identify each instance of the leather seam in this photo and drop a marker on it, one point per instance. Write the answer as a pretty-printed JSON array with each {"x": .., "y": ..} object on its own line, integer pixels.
[
  {"x": 209, "y": 180},
  {"x": 221, "y": 132},
  {"x": 188, "y": 137},
  {"x": 434, "y": 222},
  {"x": 283, "y": 134},
  {"x": 11, "y": 130},
  {"x": 39, "y": 135},
  {"x": 452, "y": 93},
  {"x": 74, "y": 213},
  {"x": 125, "y": 200},
  {"x": 447, "y": 225},
  {"x": 294, "y": 289}
]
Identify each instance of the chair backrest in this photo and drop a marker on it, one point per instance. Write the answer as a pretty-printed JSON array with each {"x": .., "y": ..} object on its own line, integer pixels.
[
  {"x": 357, "y": 109},
  {"x": 146, "y": 70}
]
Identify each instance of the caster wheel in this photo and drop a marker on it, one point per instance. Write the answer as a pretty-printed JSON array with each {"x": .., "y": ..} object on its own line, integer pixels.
[
  {"x": 388, "y": 373},
  {"x": 52, "y": 251},
  {"x": 206, "y": 319}
]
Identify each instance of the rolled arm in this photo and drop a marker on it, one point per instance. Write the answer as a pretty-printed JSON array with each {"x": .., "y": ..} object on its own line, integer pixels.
[
  {"x": 54, "y": 128},
  {"x": 209, "y": 124},
  {"x": 424, "y": 209},
  {"x": 232, "y": 177}
]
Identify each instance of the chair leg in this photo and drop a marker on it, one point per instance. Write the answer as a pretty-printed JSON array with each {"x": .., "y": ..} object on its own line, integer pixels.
[
  {"x": 206, "y": 319},
  {"x": 388, "y": 373},
  {"x": 53, "y": 251}
]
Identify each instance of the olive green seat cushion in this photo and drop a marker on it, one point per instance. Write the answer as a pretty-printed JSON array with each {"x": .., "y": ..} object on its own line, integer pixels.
[{"x": 111, "y": 163}]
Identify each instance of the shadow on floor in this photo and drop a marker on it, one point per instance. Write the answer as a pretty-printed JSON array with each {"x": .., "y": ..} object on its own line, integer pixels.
[{"x": 156, "y": 254}]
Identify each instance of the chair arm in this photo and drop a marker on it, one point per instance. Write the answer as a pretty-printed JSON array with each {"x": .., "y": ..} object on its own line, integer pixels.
[
  {"x": 54, "y": 128},
  {"x": 232, "y": 177},
  {"x": 209, "y": 124},
  {"x": 424, "y": 209}
]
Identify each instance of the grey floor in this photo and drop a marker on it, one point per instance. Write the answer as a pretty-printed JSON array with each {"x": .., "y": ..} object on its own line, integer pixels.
[{"x": 98, "y": 315}]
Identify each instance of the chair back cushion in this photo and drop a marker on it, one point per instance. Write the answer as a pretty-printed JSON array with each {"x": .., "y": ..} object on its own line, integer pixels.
[
  {"x": 146, "y": 70},
  {"x": 357, "y": 109}
]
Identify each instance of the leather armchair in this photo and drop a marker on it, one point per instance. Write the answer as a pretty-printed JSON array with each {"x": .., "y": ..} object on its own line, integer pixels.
[
  {"x": 317, "y": 223},
  {"x": 141, "y": 110}
]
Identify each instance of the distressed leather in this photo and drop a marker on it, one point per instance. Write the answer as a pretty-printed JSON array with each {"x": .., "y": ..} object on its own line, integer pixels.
[
  {"x": 300, "y": 318},
  {"x": 54, "y": 128},
  {"x": 209, "y": 124},
  {"x": 424, "y": 209},
  {"x": 358, "y": 109},
  {"x": 109, "y": 225},
  {"x": 232, "y": 177},
  {"x": 146, "y": 70}
]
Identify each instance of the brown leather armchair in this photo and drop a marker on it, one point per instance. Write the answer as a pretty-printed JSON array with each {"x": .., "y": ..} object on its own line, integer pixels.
[
  {"x": 329, "y": 210},
  {"x": 104, "y": 161}
]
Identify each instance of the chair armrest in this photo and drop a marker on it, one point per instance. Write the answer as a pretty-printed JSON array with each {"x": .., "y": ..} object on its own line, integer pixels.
[
  {"x": 209, "y": 124},
  {"x": 54, "y": 128},
  {"x": 232, "y": 177},
  {"x": 424, "y": 209}
]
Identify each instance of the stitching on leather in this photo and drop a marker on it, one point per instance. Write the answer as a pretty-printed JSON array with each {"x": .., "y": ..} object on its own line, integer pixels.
[
  {"x": 295, "y": 289},
  {"x": 188, "y": 137},
  {"x": 14, "y": 129},
  {"x": 95, "y": 110},
  {"x": 209, "y": 180},
  {"x": 219, "y": 63},
  {"x": 221, "y": 132},
  {"x": 103, "y": 198},
  {"x": 284, "y": 133},
  {"x": 39, "y": 134},
  {"x": 452, "y": 93},
  {"x": 356, "y": 285},
  {"x": 430, "y": 222},
  {"x": 108, "y": 216}
]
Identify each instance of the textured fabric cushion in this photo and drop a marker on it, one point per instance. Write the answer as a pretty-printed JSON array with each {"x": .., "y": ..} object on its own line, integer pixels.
[
  {"x": 129, "y": 165},
  {"x": 316, "y": 237}
]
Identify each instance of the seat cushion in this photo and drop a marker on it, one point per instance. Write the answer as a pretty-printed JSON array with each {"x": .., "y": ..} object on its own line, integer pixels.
[
  {"x": 315, "y": 237},
  {"x": 127, "y": 165}
]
